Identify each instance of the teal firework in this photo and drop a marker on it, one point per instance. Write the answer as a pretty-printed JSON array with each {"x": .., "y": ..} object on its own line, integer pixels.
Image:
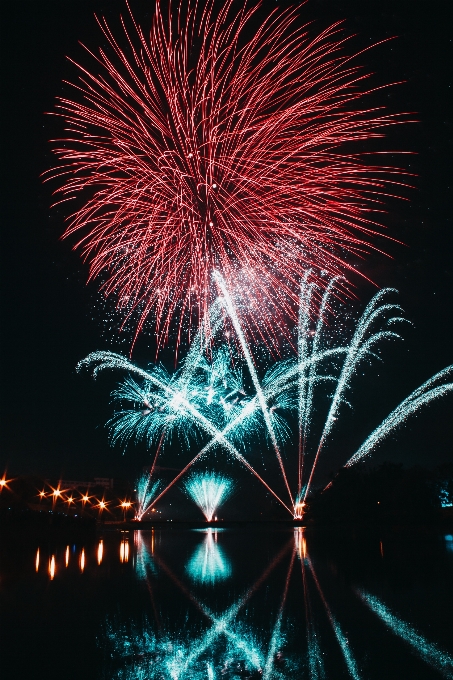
[{"x": 208, "y": 490}]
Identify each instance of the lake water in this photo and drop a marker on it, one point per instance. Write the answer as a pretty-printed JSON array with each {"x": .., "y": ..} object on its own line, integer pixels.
[{"x": 247, "y": 602}]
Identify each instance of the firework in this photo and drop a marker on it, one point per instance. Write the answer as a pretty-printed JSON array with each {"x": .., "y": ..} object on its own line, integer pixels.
[
  {"x": 375, "y": 325},
  {"x": 145, "y": 492},
  {"x": 431, "y": 390},
  {"x": 207, "y": 400},
  {"x": 203, "y": 398},
  {"x": 208, "y": 490},
  {"x": 195, "y": 148}
]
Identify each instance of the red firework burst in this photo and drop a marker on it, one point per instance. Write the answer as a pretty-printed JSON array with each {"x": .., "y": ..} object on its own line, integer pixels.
[{"x": 197, "y": 149}]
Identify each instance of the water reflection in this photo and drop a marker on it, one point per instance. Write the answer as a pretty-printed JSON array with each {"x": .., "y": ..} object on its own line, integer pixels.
[
  {"x": 278, "y": 607},
  {"x": 208, "y": 563},
  {"x": 428, "y": 651},
  {"x": 232, "y": 644},
  {"x": 124, "y": 551},
  {"x": 221, "y": 645},
  {"x": 100, "y": 551},
  {"x": 52, "y": 568},
  {"x": 144, "y": 563}
]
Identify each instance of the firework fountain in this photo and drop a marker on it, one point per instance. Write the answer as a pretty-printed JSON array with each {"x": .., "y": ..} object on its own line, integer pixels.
[
  {"x": 145, "y": 491},
  {"x": 208, "y": 490}
]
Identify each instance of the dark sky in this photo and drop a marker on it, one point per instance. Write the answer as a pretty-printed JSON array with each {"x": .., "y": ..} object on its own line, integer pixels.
[{"x": 52, "y": 418}]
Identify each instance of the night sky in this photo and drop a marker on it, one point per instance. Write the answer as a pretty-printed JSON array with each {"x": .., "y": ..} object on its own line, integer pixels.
[{"x": 52, "y": 418}]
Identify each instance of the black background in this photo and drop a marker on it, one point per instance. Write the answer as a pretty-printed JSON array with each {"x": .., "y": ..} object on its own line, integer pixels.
[{"x": 52, "y": 418}]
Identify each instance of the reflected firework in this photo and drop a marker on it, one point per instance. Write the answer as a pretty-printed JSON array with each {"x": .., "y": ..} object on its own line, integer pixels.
[
  {"x": 222, "y": 644},
  {"x": 229, "y": 643},
  {"x": 209, "y": 490},
  {"x": 429, "y": 652},
  {"x": 289, "y": 612},
  {"x": 209, "y": 564}
]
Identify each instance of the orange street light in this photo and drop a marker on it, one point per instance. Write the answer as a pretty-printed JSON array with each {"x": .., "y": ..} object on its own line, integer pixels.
[
  {"x": 126, "y": 505},
  {"x": 4, "y": 483},
  {"x": 57, "y": 494},
  {"x": 85, "y": 499},
  {"x": 102, "y": 505}
]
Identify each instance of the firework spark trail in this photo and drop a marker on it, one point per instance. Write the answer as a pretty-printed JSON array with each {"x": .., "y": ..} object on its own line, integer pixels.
[
  {"x": 359, "y": 349},
  {"x": 283, "y": 382},
  {"x": 276, "y": 632},
  {"x": 209, "y": 397},
  {"x": 308, "y": 383},
  {"x": 315, "y": 660},
  {"x": 145, "y": 506},
  {"x": 341, "y": 638},
  {"x": 208, "y": 490},
  {"x": 253, "y": 374},
  {"x": 215, "y": 440},
  {"x": 199, "y": 148},
  {"x": 408, "y": 407},
  {"x": 428, "y": 651},
  {"x": 302, "y": 356}
]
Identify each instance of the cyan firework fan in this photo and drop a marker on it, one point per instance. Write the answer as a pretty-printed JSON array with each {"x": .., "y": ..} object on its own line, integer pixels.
[
  {"x": 207, "y": 400},
  {"x": 220, "y": 140},
  {"x": 208, "y": 490},
  {"x": 188, "y": 404},
  {"x": 145, "y": 492}
]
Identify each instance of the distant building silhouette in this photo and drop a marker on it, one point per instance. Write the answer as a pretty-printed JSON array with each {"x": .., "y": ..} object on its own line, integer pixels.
[{"x": 105, "y": 482}]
